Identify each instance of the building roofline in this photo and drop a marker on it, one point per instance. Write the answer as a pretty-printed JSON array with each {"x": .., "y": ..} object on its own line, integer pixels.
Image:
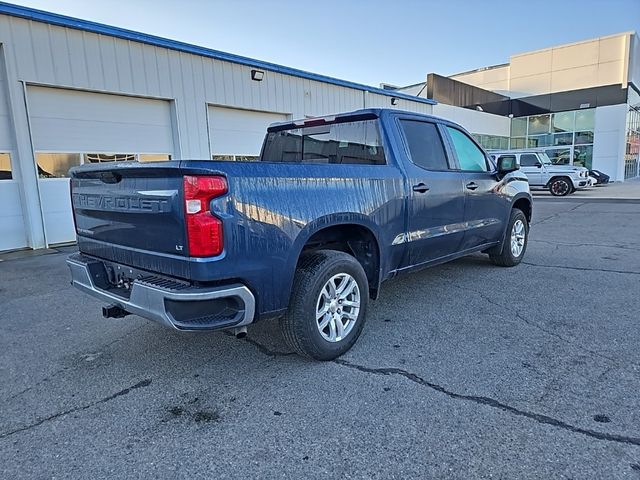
[
  {"x": 480, "y": 69},
  {"x": 577, "y": 42},
  {"x": 102, "y": 29}
]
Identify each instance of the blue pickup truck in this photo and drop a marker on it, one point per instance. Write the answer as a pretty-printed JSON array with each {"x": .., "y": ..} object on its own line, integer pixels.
[{"x": 335, "y": 206}]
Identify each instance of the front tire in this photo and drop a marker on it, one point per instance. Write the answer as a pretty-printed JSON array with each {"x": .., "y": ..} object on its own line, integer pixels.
[
  {"x": 515, "y": 242},
  {"x": 560, "y": 187},
  {"x": 328, "y": 305}
]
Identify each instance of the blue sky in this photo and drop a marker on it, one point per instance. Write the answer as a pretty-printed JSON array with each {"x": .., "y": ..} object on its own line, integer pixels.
[{"x": 396, "y": 42}]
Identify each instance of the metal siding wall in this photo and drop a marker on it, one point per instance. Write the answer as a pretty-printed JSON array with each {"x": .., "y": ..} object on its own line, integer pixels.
[
  {"x": 50, "y": 55},
  {"x": 6, "y": 136}
]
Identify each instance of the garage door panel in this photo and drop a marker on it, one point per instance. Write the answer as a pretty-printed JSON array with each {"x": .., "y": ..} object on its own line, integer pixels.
[
  {"x": 80, "y": 136},
  {"x": 68, "y": 120},
  {"x": 234, "y": 131},
  {"x": 66, "y": 123},
  {"x": 12, "y": 227}
]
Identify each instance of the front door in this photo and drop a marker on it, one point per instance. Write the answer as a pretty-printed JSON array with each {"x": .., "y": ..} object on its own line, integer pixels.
[
  {"x": 486, "y": 209},
  {"x": 533, "y": 168},
  {"x": 436, "y": 201}
]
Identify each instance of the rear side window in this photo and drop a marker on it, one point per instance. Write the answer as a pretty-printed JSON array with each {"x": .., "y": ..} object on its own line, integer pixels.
[
  {"x": 469, "y": 155},
  {"x": 344, "y": 143},
  {"x": 425, "y": 145},
  {"x": 528, "y": 160}
]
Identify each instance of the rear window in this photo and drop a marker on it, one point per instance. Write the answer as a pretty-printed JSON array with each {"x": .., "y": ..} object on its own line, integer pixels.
[{"x": 355, "y": 142}]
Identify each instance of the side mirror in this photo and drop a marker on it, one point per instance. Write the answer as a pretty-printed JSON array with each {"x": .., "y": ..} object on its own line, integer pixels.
[
  {"x": 539, "y": 165},
  {"x": 507, "y": 164}
]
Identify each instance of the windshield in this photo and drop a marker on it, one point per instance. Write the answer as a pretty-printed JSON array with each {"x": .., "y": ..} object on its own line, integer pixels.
[{"x": 544, "y": 158}]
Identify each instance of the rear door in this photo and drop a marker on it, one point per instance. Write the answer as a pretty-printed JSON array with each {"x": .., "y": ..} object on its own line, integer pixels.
[
  {"x": 436, "y": 204},
  {"x": 485, "y": 207}
]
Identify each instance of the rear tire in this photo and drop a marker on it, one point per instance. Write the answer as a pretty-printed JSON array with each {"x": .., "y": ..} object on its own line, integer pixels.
[
  {"x": 515, "y": 241},
  {"x": 318, "y": 287},
  {"x": 560, "y": 186}
]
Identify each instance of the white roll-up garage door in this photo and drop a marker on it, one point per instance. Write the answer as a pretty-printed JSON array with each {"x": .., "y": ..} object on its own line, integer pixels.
[
  {"x": 239, "y": 133},
  {"x": 69, "y": 126}
]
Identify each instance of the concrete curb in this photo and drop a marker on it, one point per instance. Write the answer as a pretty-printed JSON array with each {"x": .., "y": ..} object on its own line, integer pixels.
[{"x": 586, "y": 199}]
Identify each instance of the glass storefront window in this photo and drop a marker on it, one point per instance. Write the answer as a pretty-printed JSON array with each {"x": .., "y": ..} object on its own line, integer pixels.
[
  {"x": 583, "y": 155},
  {"x": 540, "y": 140},
  {"x": 519, "y": 127},
  {"x": 518, "y": 142},
  {"x": 5, "y": 166},
  {"x": 585, "y": 119},
  {"x": 584, "y": 137},
  {"x": 539, "y": 124},
  {"x": 571, "y": 131},
  {"x": 563, "y": 122},
  {"x": 563, "y": 139},
  {"x": 56, "y": 165},
  {"x": 559, "y": 156}
]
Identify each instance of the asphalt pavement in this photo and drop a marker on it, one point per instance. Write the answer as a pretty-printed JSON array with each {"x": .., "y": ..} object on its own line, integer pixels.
[{"x": 465, "y": 370}]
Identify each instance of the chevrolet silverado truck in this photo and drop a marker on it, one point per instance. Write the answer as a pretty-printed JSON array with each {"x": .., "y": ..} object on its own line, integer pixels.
[
  {"x": 560, "y": 180},
  {"x": 335, "y": 206}
]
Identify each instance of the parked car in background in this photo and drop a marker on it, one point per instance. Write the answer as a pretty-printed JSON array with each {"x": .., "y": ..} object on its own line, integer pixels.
[
  {"x": 334, "y": 206},
  {"x": 560, "y": 180},
  {"x": 601, "y": 177}
]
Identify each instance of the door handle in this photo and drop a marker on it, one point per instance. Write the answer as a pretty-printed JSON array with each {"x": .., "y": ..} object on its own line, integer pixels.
[
  {"x": 420, "y": 188},
  {"x": 472, "y": 185}
]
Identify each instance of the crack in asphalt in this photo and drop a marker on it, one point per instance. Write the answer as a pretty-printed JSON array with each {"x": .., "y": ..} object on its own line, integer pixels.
[
  {"x": 550, "y": 217},
  {"x": 487, "y": 401},
  {"x": 142, "y": 384},
  {"x": 544, "y": 330},
  {"x": 588, "y": 269},
  {"x": 566, "y": 244},
  {"x": 55, "y": 373},
  {"x": 493, "y": 403},
  {"x": 266, "y": 350}
]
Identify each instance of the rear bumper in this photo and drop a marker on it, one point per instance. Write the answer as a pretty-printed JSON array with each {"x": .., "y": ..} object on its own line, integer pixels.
[{"x": 178, "y": 307}]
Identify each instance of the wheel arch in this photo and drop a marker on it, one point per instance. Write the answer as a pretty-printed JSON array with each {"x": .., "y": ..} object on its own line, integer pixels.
[{"x": 351, "y": 234}]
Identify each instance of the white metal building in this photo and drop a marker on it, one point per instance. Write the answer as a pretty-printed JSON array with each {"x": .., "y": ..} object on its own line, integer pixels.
[{"x": 73, "y": 91}]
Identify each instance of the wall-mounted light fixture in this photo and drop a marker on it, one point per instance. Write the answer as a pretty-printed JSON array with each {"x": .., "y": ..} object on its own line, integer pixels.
[
  {"x": 394, "y": 101},
  {"x": 257, "y": 75}
]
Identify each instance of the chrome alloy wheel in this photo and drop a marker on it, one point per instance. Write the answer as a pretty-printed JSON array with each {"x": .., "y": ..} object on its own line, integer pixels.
[
  {"x": 518, "y": 234},
  {"x": 338, "y": 307}
]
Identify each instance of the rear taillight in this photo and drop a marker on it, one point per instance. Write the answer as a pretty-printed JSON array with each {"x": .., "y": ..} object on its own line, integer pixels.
[{"x": 204, "y": 230}]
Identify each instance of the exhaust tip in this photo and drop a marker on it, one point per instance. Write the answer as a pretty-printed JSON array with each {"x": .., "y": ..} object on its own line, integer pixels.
[{"x": 240, "y": 332}]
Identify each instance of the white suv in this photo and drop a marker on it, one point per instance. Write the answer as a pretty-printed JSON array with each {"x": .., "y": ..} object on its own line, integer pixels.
[{"x": 560, "y": 180}]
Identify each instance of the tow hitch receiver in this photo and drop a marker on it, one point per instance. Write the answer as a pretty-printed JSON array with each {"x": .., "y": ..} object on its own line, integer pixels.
[{"x": 114, "y": 311}]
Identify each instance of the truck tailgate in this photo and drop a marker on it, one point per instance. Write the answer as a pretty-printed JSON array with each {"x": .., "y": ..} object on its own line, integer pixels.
[{"x": 131, "y": 204}]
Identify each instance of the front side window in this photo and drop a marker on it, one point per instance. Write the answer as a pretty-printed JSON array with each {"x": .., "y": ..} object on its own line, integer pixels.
[
  {"x": 337, "y": 143},
  {"x": 528, "y": 160},
  {"x": 5, "y": 166},
  {"x": 425, "y": 145},
  {"x": 469, "y": 155}
]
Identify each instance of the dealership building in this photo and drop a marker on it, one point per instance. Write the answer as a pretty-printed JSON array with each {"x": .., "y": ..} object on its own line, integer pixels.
[
  {"x": 579, "y": 102},
  {"x": 75, "y": 92}
]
